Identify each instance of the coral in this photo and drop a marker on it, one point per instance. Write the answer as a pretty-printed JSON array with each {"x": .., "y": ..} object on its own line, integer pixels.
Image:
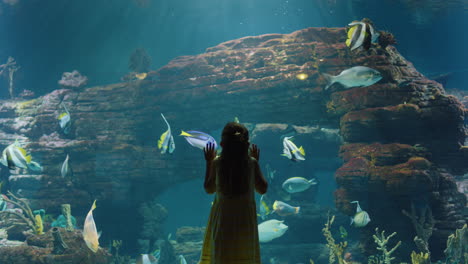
[
  {"x": 61, "y": 221},
  {"x": 153, "y": 215},
  {"x": 59, "y": 245},
  {"x": 10, "y": 67},
  {"x": 27, "y": 94},
  {"x": 139, "y": 61},
  {"x": 423, "y": 225},
  {"x": 73, "y": 79},
  {"x": 66, "y": 211},
  {"x": 116, "y": 257},
  {"x": 421, "y": 258},
  {"x": 382, "y": 242},
  {"x": 386, "y": 38},
  {"x": 457, "y": 247},
  {"x": 336, "y": 250},
  {"x": 26, "y": 215}
]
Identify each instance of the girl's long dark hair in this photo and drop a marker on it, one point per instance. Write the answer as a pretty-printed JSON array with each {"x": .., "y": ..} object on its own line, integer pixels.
[{"x": 234, "y": 160}]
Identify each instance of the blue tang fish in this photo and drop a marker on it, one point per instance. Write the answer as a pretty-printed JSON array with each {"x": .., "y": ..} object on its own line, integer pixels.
[{"x": 198, "y": 139}]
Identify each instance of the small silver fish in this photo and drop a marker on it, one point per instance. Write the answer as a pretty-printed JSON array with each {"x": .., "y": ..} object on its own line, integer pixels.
[
  {"x": 357, "y": 76},
  {"x": 297, "y": 184},
  {"x": 361, "y": 218},
  {"x": 64, "y": 170}
]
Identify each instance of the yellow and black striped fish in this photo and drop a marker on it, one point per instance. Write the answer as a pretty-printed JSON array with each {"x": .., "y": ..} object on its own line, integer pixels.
[{"x": 360, "y": 34}]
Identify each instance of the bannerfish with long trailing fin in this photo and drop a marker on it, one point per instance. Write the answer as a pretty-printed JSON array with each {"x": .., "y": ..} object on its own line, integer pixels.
[
  {"x": 90, "y": 234},
  {"x": 291, "y": 151},
  {"x": 298, "y": 184},
  {"x": 358, "y": 76},
  {"x": 361, "y": 218},
  {"x": 198, "y": 139},
  {"x": 270, "y": 230},
  {"x": 65, "y": 120},
  {"x": 14, "y": 156},
  {"x": 65, "y": 167},
  {"x": 166, "y": 141},
  {"x": 361, "y": 34},
  {"x": 284, "y": 209}
]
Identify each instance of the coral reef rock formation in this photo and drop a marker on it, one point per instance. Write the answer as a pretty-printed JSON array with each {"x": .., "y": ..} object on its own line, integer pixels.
[
  {"x": 112, "y": 140},
  {"x": 38, "y": 250}
]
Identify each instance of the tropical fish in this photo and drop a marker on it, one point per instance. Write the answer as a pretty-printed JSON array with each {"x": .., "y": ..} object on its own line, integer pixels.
[
  {"x": 354, "y": 77},
  {"x": 65, "y": 120},
  {"x": 236, "y": 120},
  {"x": 34, "y": 166},
  {"x": 182, "y": 260},
  {"x": 361, "y": 34},
  {"x": 14, "y": 156},
  {"x": 361, "y": 218},
  {"x": 146, "y": 259},
  {"x": 141, "y": 76},
  {"x": 291, "y": 151},
  {"x": 90, "y": 234},
  {"x": 343, "y": 232},
  {"x": 298, "y": 184},
  {"x": 264, "y": 208},
  {"x": 64, "y": 170},
  {"x": 284, "y": 209},
  {"x": 166, "y": 141},
  {"x": 198, "y": 139},
  {"x": 270, "y": 230}
]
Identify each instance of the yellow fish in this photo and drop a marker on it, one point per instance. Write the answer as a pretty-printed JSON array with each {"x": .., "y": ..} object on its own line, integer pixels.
[
  {"x": 90, "y": 234},
  {"x": 141, "y": 76}
]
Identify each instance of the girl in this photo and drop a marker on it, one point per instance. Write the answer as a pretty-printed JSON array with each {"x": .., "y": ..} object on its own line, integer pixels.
[{"x": 231, "y": 235}]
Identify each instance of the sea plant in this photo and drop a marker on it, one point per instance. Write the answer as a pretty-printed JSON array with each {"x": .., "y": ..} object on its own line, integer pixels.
[
  {"x": 423, "y": 224},
  {"x": 421, "y": 258},
  {"x": 336, "y": 250},
  {"x": 457, "y": 247},
  {"x": 34, "y": 222},
  {"x": 381, "y": 240}
]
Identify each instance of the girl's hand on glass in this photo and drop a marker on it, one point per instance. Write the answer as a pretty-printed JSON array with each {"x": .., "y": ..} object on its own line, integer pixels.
[
  {"x": 255, "y": 152},
  {"x": 210, "y": 152}
]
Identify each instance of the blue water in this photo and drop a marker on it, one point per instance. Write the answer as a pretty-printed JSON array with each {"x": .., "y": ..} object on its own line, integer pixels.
[{"x": 96, "y": 37}]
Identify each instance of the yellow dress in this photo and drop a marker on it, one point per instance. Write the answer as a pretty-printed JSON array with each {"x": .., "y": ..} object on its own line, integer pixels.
[{"x": 231, "y": 235}]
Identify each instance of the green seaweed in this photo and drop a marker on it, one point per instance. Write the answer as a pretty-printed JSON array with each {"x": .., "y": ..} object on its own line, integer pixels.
[
  {"x": 381, "y": 240},
  {"x": 457, "y": 247},
  {"x": 336, "y": 250}
]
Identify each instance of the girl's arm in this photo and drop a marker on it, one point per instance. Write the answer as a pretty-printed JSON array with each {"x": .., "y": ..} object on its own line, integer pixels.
[
  {"x": 210, "y": 155},
  {"x": 261, "y": 185}
]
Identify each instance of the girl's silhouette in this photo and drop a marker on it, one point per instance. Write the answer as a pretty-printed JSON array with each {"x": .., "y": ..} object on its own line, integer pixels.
[{"x": 231, "y": 235}]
